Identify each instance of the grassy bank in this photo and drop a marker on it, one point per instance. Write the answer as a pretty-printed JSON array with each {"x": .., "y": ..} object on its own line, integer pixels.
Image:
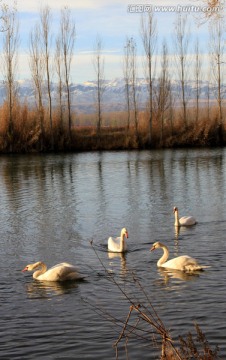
[{"x": 27, "y": 136}]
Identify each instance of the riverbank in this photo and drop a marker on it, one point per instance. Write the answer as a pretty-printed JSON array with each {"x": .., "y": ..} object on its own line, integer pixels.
[{"x": 29, "y": 136}]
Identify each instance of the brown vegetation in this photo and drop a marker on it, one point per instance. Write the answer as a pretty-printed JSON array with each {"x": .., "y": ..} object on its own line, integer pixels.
[{"x": 114, "y": 135}]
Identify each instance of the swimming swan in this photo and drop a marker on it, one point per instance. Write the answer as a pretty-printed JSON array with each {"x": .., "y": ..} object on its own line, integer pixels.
[
  {"x": 118, "y": 244},
  {"x": 59, "y": 272},
  {"x": 183, "y": 221},
  {"x": 183, "y": 263}
]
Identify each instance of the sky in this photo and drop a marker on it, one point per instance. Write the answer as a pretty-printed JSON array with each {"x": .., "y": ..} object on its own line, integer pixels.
[{"x": 113, "y": 21}]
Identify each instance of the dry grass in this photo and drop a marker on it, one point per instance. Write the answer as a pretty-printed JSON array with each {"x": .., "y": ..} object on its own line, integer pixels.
[{"x": 27, "y": 135}]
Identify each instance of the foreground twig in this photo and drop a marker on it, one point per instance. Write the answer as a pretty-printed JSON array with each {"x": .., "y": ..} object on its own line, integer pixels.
[
  {"x": 150, "y": 318},
  {"x": 148, "y": 315}
]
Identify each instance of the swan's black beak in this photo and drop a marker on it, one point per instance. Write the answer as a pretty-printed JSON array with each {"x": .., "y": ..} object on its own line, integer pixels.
[{"x": 127, "y": 234}]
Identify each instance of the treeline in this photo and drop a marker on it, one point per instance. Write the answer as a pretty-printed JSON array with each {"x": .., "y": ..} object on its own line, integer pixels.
[{"x": 166, "y": 121}]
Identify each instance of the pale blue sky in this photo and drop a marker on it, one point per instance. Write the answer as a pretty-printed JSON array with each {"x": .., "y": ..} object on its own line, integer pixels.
[{"x": 113, "y": 21}]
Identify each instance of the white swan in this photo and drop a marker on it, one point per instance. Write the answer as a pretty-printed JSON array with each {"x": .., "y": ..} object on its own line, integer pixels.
[
  {"x": 118, "y": 244},
  {"x": 183, "y": 221},
  {"x": 183, "y": 263},
  {"x": 59, "y": 272}
]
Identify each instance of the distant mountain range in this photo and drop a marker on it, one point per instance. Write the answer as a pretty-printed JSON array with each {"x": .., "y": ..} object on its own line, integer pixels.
[{"x": 83, "y": 95}]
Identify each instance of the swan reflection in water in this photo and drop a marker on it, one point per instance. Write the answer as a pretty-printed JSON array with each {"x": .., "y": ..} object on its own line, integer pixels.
[
  {"x": 180, "y": 231},
  {"x": 48, "y": 289},
  {"x": 177, "y": 233},
  {"x": 168, "y": 274},
  {"x": 122, "y": 257}
]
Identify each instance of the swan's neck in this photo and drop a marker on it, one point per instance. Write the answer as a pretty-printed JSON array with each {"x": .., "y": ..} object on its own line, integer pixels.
[
  {"x": 122, "y": 243},
  {"x": 177, "y": 222},
  {"x": 41, "y": 271},
  {"x": 164, "y": 257}
]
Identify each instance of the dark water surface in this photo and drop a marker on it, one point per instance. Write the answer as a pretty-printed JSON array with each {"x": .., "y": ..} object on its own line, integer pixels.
[{"x": 52, "y": 206}]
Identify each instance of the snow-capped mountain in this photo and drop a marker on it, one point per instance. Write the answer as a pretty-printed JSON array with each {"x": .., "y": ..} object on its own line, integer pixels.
[{"x": 83, "y": 95}]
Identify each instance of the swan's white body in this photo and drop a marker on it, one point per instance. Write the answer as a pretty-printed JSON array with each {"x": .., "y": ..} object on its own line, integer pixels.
[
  {"x": 118, "y": 244},
  {"x": 183, "y": 263},
  {"x": 59, "y": 272},
  {"x": 183, "y": 221}
]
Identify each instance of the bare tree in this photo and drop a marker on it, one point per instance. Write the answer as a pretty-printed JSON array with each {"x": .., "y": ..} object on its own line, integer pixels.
[
  {"x": 4, "y": 11},
  {"x": 10, "y": 46},
  {"x": 37, "y": 72},
  {"x": 182, "y": 42},
  {"x": 198, "y": 67},
  {"x": 149, "y": 39},
  {"x": 130, "y": 76},
  {"x": 208, "y": 94},
  {"x": 217, "y": 50},
  {"x": 45, "y": 17},
  {"x": 171, "y": 111},
  {"x": 68, "y": 35},
  {"x": 127, "y": 79},
  {"x": 59, "y": 70},
  {"x": 133, "y": 48},
  {"x": 132, "y": 81},
  {"x": 98, "y": 63},
  {"x": 163, "y": 92},
  {"x": 213, "y": 10}
]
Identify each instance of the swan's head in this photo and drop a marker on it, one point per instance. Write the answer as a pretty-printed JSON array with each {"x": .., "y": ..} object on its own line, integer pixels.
[
  {"x": 125, "y": 232},
  {"x": 156, "y": 245},
  {"x": 31, "y": 267},
  {"x": 175, "y": 209}
]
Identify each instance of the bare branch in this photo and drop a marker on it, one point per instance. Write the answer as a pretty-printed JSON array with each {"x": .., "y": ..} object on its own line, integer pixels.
[
  {"x": 149, "y": 40},
  {"x": 98, "y": 64},
  {"x": 67, "y": 43},
  {"x": 10, "y": 46}
]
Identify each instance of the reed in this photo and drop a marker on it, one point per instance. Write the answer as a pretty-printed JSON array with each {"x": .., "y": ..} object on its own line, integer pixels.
[{"x": 28, "y": 135}]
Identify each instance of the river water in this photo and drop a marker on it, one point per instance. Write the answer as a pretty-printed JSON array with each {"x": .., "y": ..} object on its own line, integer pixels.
[{"x": 61, "y": 207}]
